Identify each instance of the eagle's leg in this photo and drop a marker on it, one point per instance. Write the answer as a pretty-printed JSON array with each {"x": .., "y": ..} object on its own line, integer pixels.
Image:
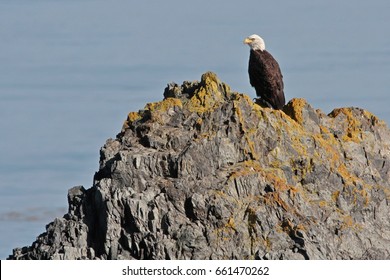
[{"x": 263, "y": 103}]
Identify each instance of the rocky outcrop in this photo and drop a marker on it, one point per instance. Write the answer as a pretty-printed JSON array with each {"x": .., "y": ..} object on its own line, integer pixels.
[{"x": 208, "y": 174}]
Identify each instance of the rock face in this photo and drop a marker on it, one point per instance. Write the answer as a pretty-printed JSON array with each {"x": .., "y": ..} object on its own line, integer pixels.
[{"x": 208, "y": 174}]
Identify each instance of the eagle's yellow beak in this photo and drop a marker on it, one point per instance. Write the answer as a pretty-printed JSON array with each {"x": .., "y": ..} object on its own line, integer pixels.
[{"x": 247, "y": 40}]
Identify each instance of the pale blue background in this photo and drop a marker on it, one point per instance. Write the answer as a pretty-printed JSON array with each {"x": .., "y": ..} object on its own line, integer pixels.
[{"x": 71, "y": 70}]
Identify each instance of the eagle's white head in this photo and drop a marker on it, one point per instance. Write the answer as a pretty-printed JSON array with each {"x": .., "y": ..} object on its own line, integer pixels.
[{"x": 255, "y": 42}]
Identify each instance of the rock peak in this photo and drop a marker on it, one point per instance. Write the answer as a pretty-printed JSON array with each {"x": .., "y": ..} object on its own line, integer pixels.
[{"x": 208, "y": 174}]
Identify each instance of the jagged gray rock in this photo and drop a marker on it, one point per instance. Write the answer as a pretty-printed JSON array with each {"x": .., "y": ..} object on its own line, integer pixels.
[{"x": 208, "y": 174}]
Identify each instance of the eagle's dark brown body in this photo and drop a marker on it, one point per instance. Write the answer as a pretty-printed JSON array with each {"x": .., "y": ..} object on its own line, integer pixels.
[{"x": 266, "y": 78}]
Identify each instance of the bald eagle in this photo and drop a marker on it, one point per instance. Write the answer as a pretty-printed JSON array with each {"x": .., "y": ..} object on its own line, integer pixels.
[{"x": 264, "y": 74}]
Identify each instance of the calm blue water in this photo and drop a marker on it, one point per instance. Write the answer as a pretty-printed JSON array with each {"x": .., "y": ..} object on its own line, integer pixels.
[{"x": 70, "y": 71}]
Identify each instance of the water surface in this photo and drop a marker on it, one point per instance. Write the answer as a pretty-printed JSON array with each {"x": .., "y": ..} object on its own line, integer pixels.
[{"x": 70, "y": 71}]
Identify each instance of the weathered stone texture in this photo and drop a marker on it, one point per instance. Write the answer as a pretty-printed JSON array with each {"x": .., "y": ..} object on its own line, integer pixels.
[{"x": 208, "y": 174}]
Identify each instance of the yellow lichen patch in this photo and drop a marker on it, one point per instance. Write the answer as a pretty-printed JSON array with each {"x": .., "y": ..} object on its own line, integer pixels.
[
  {"x": 245, "y": 168},
  {"x": 159, "y": 111},
  {"x": 292, "y": 132},
  {"x": 353, "y": 125},
  {"x": 287, "y": 225},
  {"x": 210, "y": 82},
  {"x": 230, "y": 224},
  {"x": 322, "y": 203},
  {"x": 255, "y": 237},
  {"x": 131, "y": 117},
  {"x": 268, "y": 243},
  {"x": 293, "y": 191},
  {"x": 297, "y": 143},
  {"x": 294, "y": 109},
  {"x": 273, "y": 199},
  {"x": 374, "y": 119},
  {"x": 330, "y": 146},
  {"x": 337, "y": 165},
  {"x": 202, "y": 101},
  {"x": 227, "y": 231},
  {"x": 273, "y": 176},
  {"x": 324, "y": 130},
  {"x": 364, "y": 194},
  {"x": 156, "y": 109},
  {"x": 199, "y": 123},
  {"x": 349, "y": 223},
  {"x": 360, "y": 194},
  {"x": 348, "y": 177},
  {"x": 220, "y": 194},
  {"x": 249, "y": 132},
  {"x": 245, "y": 98},
  {"x": 355, "y": 194},
  {"x": 241, "y": 120},
  {"x": 164, "y": 105},
  {"x": 276, "y": 178},
  {"x": 251, "y": 146},
  {"x": 335, "y": 196},
  {"x": 290, "y": 228},
  {"x": 385, "y": 190},
  {"x": 301, "y": 166},
  {"x": 300, "y": 227},
  {"x": 284, "y": 121},
  {"x": 209, "y": 95}
]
